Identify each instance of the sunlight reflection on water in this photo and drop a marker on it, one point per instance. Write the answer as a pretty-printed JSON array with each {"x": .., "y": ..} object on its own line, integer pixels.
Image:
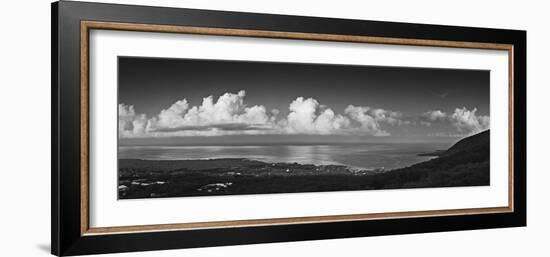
[{"x": 367, "y": 156}]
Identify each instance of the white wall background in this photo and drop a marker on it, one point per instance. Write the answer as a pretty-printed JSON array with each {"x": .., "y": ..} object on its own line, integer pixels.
[{"x": 25, "y": 127}]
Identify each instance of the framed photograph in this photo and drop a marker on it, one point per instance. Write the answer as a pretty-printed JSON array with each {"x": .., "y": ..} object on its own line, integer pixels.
[{"x": 178, "y": 128}]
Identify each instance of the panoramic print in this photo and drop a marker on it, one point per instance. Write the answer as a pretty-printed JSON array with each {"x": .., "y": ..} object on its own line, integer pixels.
[{"x": 191, "y": 127}]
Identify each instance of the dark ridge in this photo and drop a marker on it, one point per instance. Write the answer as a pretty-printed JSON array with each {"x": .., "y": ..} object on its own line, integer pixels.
[
  {"x": 466, "y": 163},
  {"x": 477, "y": 142}
]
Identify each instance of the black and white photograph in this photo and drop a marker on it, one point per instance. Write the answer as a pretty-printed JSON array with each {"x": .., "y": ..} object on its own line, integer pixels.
[
  {"x": 200, "y": 127},
  {"x": 268, "y": 129}
]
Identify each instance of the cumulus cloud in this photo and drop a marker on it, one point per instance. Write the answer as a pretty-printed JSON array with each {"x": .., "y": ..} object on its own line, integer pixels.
[
  {"x": 130, "y": 123},
  {"x": 379, "y": 115},
  {"x": 307, "y": 116},
  {"x": 228, "y": 114},
  {"x": 429, "y": 117},
  {"x": 386, "y": 116},
  {"x": 436, "y": 115},
  {"x": 369, "y": 124},
  {"x": 464, "y": 120},
  {"x": 173, "y": 116},
  {"x": 467, "y": 121}
]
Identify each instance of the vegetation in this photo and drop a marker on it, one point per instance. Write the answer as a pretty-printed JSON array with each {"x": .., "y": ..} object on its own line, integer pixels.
[{"x": 464, "y": 164}]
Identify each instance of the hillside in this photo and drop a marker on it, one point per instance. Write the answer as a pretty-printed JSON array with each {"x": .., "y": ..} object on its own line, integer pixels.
[
  {"x": 466, "y": 163},
  {"x": 476, "y": 143}
]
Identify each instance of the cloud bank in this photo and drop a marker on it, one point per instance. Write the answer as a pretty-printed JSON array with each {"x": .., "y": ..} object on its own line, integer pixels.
[
  {"x": 307, "y": 116},
  {"x": 229, "y": 115},
  {"x": 464, "y": 120}
]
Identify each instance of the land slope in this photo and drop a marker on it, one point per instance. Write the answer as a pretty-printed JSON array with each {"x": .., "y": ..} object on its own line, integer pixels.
[{"x": 466, "y": 163}]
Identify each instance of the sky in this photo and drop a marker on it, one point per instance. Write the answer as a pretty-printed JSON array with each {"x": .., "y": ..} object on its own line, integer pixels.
[{"x": 189, "y": 101}]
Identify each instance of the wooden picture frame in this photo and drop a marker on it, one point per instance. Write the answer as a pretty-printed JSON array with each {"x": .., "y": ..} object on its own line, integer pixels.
[{"x": 71, "y": 25}]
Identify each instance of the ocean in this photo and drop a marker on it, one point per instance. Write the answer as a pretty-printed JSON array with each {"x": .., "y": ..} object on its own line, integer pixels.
[{"x": 363, "y": 156}]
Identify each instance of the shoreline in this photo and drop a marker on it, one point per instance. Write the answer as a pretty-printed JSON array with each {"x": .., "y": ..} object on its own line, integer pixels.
[
  {"x": 466, "y": 163},
  {"x": 139, "y": 178},
  {"x": 266, "y": 162}
]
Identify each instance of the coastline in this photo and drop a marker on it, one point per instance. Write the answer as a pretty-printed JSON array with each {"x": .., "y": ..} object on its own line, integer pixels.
[
  {"x": 237, "y": 176},
  {"x": 466, "y": 163},
  {"x": 165, "y": 178}
]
